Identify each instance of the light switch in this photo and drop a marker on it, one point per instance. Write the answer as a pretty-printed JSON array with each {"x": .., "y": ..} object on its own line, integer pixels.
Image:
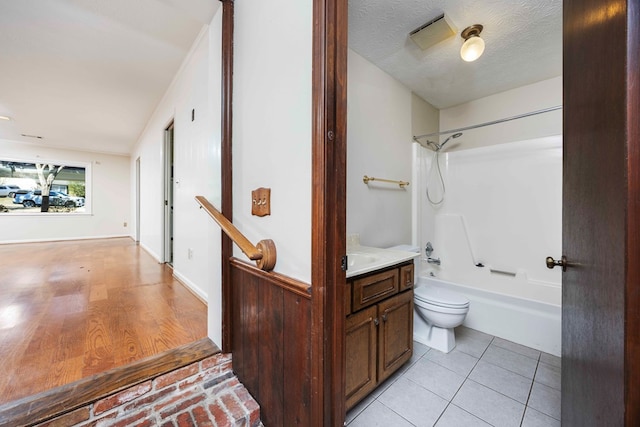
[{"x": 261, "y": 201}]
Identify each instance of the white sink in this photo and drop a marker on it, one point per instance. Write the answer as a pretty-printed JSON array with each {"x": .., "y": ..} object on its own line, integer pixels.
[
  {"x": 356, "y": 259},
  {"x": 364, "y": 259}
]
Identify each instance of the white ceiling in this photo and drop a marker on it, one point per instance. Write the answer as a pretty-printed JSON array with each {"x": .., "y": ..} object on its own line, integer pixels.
[
  {"x": 523, "y": 45},
  {"x": 87, "y": 74}
]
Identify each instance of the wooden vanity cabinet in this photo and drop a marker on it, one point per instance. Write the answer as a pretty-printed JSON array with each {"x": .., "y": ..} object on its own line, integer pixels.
[
  {"x": 395, "y": 334},
  {"x": 379, "y": 330},
  {"x": 361, "y": 350}
]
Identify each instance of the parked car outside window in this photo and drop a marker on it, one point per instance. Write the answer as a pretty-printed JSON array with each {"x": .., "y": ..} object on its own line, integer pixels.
[
  {"x": 20, "y": 195},
  {"x": 56, "y": 198},
  {"x": 8, "y": 190}
]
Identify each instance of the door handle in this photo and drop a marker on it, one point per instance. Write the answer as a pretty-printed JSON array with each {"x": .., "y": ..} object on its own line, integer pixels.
[{"x": 561, "y": 262}]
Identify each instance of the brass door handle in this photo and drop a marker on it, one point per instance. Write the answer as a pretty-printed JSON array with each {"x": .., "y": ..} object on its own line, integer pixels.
[{"x": 561, "y": 262}]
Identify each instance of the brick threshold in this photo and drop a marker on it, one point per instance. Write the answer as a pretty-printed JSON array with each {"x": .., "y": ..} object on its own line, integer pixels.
[{"x": 164, "y": 387}]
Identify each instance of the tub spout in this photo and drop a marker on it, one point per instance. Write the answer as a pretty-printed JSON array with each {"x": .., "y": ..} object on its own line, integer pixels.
[{"x": 435, "y": 261}]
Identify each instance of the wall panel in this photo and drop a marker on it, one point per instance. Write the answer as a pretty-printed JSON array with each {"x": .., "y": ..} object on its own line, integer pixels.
[{"x": 271, "y": 343}]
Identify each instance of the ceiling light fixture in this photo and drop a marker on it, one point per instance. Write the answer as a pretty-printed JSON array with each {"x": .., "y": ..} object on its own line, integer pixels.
[
  {"x": 473, "y": 45},
  {"x": 7, "y": 118}
]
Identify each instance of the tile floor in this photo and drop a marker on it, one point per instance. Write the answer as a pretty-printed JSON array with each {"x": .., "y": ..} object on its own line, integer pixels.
[{"x": 484, "y": 381}]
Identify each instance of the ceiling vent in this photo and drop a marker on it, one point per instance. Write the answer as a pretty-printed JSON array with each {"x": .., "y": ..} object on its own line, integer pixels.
[{"x": 432, "y": 32}]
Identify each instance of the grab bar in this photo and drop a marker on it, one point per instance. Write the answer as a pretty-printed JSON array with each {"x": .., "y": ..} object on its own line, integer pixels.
[
  {"x": 264, "y": 253},
  {"x": 402, "y": 184}
]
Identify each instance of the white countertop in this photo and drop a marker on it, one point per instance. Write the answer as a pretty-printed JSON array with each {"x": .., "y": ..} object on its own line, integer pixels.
[{"x": 364, "y": 259}]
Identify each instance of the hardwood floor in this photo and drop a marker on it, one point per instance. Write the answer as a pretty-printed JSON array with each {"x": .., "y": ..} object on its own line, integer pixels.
[{"x": 76, "y": 308}]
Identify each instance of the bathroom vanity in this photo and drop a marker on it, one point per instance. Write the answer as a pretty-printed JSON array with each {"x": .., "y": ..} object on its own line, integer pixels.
[{"x": 379, "y": 324}]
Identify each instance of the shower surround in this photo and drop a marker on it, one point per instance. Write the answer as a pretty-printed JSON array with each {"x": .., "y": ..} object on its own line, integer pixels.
[{"x": 501, "y": 217}]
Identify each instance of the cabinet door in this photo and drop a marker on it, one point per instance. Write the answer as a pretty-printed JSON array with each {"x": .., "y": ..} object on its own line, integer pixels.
[
  {"x": 395, "y": 339},
  {"x": 406, "y": 277},
  {"x": 361, "y": 344}
]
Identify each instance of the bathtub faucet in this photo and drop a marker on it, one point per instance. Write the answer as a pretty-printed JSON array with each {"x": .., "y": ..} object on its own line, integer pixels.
[
  {"x": 428, "y": 249},
  {"x": 435, "y": 261}
]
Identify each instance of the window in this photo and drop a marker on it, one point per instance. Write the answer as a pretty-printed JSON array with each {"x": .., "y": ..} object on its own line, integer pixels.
[{"x": 28, "y": 184}]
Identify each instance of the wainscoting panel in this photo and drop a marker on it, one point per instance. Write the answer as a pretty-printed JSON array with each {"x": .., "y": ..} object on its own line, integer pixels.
[{"x": 272, "y": 343}]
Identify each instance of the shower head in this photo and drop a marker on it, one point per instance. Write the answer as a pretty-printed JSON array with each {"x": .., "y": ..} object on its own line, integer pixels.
[
  {"x": 454, "y": 136},
  {"x": 426, "y": 145},
  {"x": 436, "y": 146}
]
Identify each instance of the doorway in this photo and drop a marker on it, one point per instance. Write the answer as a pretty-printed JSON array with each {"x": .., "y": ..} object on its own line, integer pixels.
[
  {"x": 138, "y": 200},
  {"x": 168, "y": 194}
]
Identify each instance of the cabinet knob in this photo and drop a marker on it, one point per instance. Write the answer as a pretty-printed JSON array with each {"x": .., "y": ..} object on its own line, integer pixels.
[
  {"x": 376, "y": 321},
  {"x": 384, "y": 317}
]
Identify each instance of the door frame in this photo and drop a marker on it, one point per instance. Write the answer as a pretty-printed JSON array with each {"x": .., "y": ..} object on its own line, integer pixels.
[
  {"x": 138, "y": 200},
  {"x": 168, "y": 187},
  {"x": 328, "y": 243}
]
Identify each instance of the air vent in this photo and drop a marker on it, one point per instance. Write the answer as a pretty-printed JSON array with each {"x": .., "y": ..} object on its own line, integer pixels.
[
  {"x": 433, "y": 32},
  {"x": 32, "y": 136}
]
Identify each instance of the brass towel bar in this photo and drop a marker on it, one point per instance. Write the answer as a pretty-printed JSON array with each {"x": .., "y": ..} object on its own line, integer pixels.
[
  {"x": 264, "y": 253},
  {"x": 402, "y": 184}
]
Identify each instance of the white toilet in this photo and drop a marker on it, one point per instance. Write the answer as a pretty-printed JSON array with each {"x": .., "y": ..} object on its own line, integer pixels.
[{"x": 436, "y": 312}]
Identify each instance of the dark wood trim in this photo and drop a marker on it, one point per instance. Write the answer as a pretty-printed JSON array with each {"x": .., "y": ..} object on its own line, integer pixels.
[
  {"x": 227, "y": 170},
  {"x": 272, "y": 344},
  {"x": 55, "y": 402},
  {"x": 632, "y": 315},
  {"x": 328, "y": 211},
  {"x": 280, "y": 280}
]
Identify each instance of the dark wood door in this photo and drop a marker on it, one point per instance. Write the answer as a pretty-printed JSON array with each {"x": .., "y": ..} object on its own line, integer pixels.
[
  {"x": 395, "y": 337},
  {"x": 600, "y": 321}
]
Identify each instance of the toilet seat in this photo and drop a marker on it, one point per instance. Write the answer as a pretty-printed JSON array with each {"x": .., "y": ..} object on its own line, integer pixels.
[{"x": 440, "y": 297}]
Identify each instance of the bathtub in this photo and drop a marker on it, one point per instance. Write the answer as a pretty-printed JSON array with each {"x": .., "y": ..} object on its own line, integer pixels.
[{"x": 532, "y": 323}]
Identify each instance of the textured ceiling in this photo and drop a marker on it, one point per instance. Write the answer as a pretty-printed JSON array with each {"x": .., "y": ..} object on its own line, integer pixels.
[
  {"x": 87, "y": 74},
  {"x": 523, "y": 45}
]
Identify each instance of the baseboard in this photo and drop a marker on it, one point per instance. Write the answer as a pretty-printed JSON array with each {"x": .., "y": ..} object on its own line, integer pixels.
[
  {"x": 192, "y": 287},
  {"x": 150, "y": 252},
  {"x": 63, "y": 239}
]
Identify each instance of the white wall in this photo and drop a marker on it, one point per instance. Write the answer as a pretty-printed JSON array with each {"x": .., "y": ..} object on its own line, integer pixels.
[
  {"x": 110, "y": 195},
  {"x": 382, "y": 117},
  {"x": 196, "y": 172},
  {"x": 272, "y": 127},
  {"x": 536, "y": 96},
  {"x": 424, "y": 116}
]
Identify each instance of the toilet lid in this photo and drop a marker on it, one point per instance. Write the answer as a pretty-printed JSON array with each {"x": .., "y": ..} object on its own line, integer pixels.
[{"x": 440, "y": 296}]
